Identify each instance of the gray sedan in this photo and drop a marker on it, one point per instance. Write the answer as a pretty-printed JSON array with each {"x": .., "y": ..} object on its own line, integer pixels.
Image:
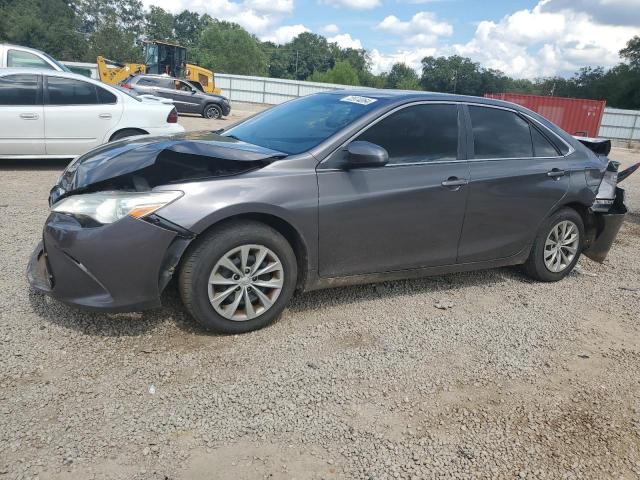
[
  {"x": 186, "y": 97},
  {"x": 327, "y": 190}
]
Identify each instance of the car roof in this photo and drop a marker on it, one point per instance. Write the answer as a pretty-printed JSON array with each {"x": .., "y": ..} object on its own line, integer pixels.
[
  {"x": 56, "y": 73},
  {"x": 46, "y": 71},
  {"x": 415, "y": 95},
  {"x": 156, "y": 75},
  {"x": 20, "y": 47}
]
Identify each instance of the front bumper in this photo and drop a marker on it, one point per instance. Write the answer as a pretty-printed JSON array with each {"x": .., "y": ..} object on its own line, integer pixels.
[{"x": 119, "y": 267}]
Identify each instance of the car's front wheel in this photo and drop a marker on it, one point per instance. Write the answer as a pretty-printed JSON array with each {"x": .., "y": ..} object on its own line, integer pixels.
[
  {"x": 557, "y": 247},
  {"x": 239, "y": 277},
  {"x": 212, "y": 112}
]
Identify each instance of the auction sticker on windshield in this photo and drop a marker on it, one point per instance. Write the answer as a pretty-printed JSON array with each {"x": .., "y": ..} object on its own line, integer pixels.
[{"x": 358, "y": 99}]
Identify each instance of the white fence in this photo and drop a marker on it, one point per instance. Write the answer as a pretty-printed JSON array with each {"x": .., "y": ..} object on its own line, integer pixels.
[
  {"x": 271, "y": 91},
  {"x": 621, "y": 125}
]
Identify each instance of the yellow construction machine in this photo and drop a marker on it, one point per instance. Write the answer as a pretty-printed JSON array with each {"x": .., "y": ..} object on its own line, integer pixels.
[{"x": 160, "y": 58}]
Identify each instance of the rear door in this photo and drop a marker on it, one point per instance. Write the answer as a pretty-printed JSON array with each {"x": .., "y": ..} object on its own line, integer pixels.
[
  {"x": 406, "y": 214},
  {"x": 78, "y": 115},
  {"x": 21, "y": 115},
  {"x": 517, "y": 177}
]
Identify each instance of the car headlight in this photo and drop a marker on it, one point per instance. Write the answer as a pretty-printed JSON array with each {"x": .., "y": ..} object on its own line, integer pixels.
[{"x": 107, "y": 207}]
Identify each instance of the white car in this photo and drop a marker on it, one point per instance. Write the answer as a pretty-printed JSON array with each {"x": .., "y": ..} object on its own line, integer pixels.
[{"x": 53, "y": 114}]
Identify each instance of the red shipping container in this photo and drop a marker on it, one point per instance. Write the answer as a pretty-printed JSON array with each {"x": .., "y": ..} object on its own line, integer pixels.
[{"x": 576, "y": 116}]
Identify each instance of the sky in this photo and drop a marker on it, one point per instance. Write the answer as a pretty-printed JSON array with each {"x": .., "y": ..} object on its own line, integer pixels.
[{"x": 523, "y": 38}]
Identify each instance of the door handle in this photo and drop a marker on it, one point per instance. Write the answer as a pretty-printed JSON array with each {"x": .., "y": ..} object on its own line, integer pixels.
[
  {"x": 105, "y": 115},
  {"x": 454, "y": 182},
  {"x": 29, "y": 116},
  {"x": 556, "y": 173}
]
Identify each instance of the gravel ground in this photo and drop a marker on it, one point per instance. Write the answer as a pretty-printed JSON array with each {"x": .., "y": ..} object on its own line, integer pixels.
[{"x": 474, "y": 375}]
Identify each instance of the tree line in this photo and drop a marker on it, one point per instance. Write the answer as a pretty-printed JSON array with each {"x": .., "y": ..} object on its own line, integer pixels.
[{"x": 81, "y": 30}]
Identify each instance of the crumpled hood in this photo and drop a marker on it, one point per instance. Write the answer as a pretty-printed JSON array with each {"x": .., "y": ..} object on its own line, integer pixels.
[{"x": 134, "y": 154}]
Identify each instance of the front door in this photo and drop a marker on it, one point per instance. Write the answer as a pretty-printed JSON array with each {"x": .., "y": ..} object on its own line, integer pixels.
[
  {"x": 185, "y": 98},
  {"x": 517, "y": 178},
  {"x": 404, "y": 215},
  {"x": 21, "y": 115}
]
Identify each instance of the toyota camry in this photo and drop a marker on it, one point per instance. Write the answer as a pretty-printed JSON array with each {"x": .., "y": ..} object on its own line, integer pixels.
[{"x": 326, "y": 190}]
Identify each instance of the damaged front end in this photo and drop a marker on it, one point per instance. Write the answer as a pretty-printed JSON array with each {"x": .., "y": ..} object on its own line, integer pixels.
[
  {"x": 608, "y": 209},
  {"x": 105, "y": 244},
  {"x": 142, "y": 163}
]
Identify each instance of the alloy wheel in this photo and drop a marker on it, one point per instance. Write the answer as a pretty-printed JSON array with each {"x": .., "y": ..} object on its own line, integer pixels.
[
  {"x": 245, "y": 282},
  {"x": 212, "y": 113},
  {"x": 561, "y": 246}
]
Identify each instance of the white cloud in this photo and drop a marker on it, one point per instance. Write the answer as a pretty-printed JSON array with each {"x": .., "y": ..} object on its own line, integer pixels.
[
  {"x": 423, "y": 29},
  {"x": 543, "y": 41},
  {"x": 270, "y": 6},
  {"x": 353, "y": 4},
  {"x": 382, "y": 62},
  {"x": 260, "y": 17},
  {"x": 332, "y": 28},
  {"x": 285, "y": 34},
  {"x": 345, "y": 41}
]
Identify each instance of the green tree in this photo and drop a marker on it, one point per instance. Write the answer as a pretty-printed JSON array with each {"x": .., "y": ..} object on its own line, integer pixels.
[
  {"x": 188, "y": 26},
  {"x": 453, "y": 74},
  {"x": 48, "y": 25},
  {"x": 229, "y": 48},
  {"x": 113, "y": 28},
  {"x": 342, "y": 73},
  {"x": 403, "y": 77},
  {"x": 159, "y": 24},
  {"x": 307, "y": 53},
  {"x": 113, "y": 42},
  {"x": 127, "y": 15},
  {"x": 632, "y": 52}
]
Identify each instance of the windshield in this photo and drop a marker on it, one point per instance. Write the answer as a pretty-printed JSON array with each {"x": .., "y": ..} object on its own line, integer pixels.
[
  {"x": 62, "y": 67},
  {"x": 301, "y": 124}
]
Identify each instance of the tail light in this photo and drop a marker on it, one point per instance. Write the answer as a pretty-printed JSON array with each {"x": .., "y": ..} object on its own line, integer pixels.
[
  {"x": 173, "y": 116},
  {"x": 126, "y": 85}
]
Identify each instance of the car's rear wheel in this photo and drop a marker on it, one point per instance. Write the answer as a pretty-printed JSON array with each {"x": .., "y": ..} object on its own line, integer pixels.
[
  {"x": 557, "y": 246},
  {"x": 127, "y": 132},
  {"x": 239, "y": 277},
  {"x": 212, "y": 112}
]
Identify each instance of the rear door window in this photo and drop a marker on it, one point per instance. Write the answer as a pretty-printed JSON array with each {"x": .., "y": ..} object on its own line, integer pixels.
[
  {"x": 68, "y": 91},
  {"x": 18, "y": 58},
  {"x": 419, "y": 133},
  {"x": 19, "y": 90},
  {"x": 499, "y": 133}
]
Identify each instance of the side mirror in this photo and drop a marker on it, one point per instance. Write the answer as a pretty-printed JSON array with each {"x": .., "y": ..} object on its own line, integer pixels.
[
  {"x": 193, "y": 91},
  {"x": 362, "y": 154}
]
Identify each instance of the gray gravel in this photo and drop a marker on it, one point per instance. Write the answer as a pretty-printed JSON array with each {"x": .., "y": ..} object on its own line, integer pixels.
[{"x": 475, "y": 375}]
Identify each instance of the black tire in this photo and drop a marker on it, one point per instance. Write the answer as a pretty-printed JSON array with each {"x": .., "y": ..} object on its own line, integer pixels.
[
  {"x": 212, "y": 112},
  {"x": 204, "y": 253},
  {"x": 535, "y": 266},
  {"x": 127, "y": 132}
]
